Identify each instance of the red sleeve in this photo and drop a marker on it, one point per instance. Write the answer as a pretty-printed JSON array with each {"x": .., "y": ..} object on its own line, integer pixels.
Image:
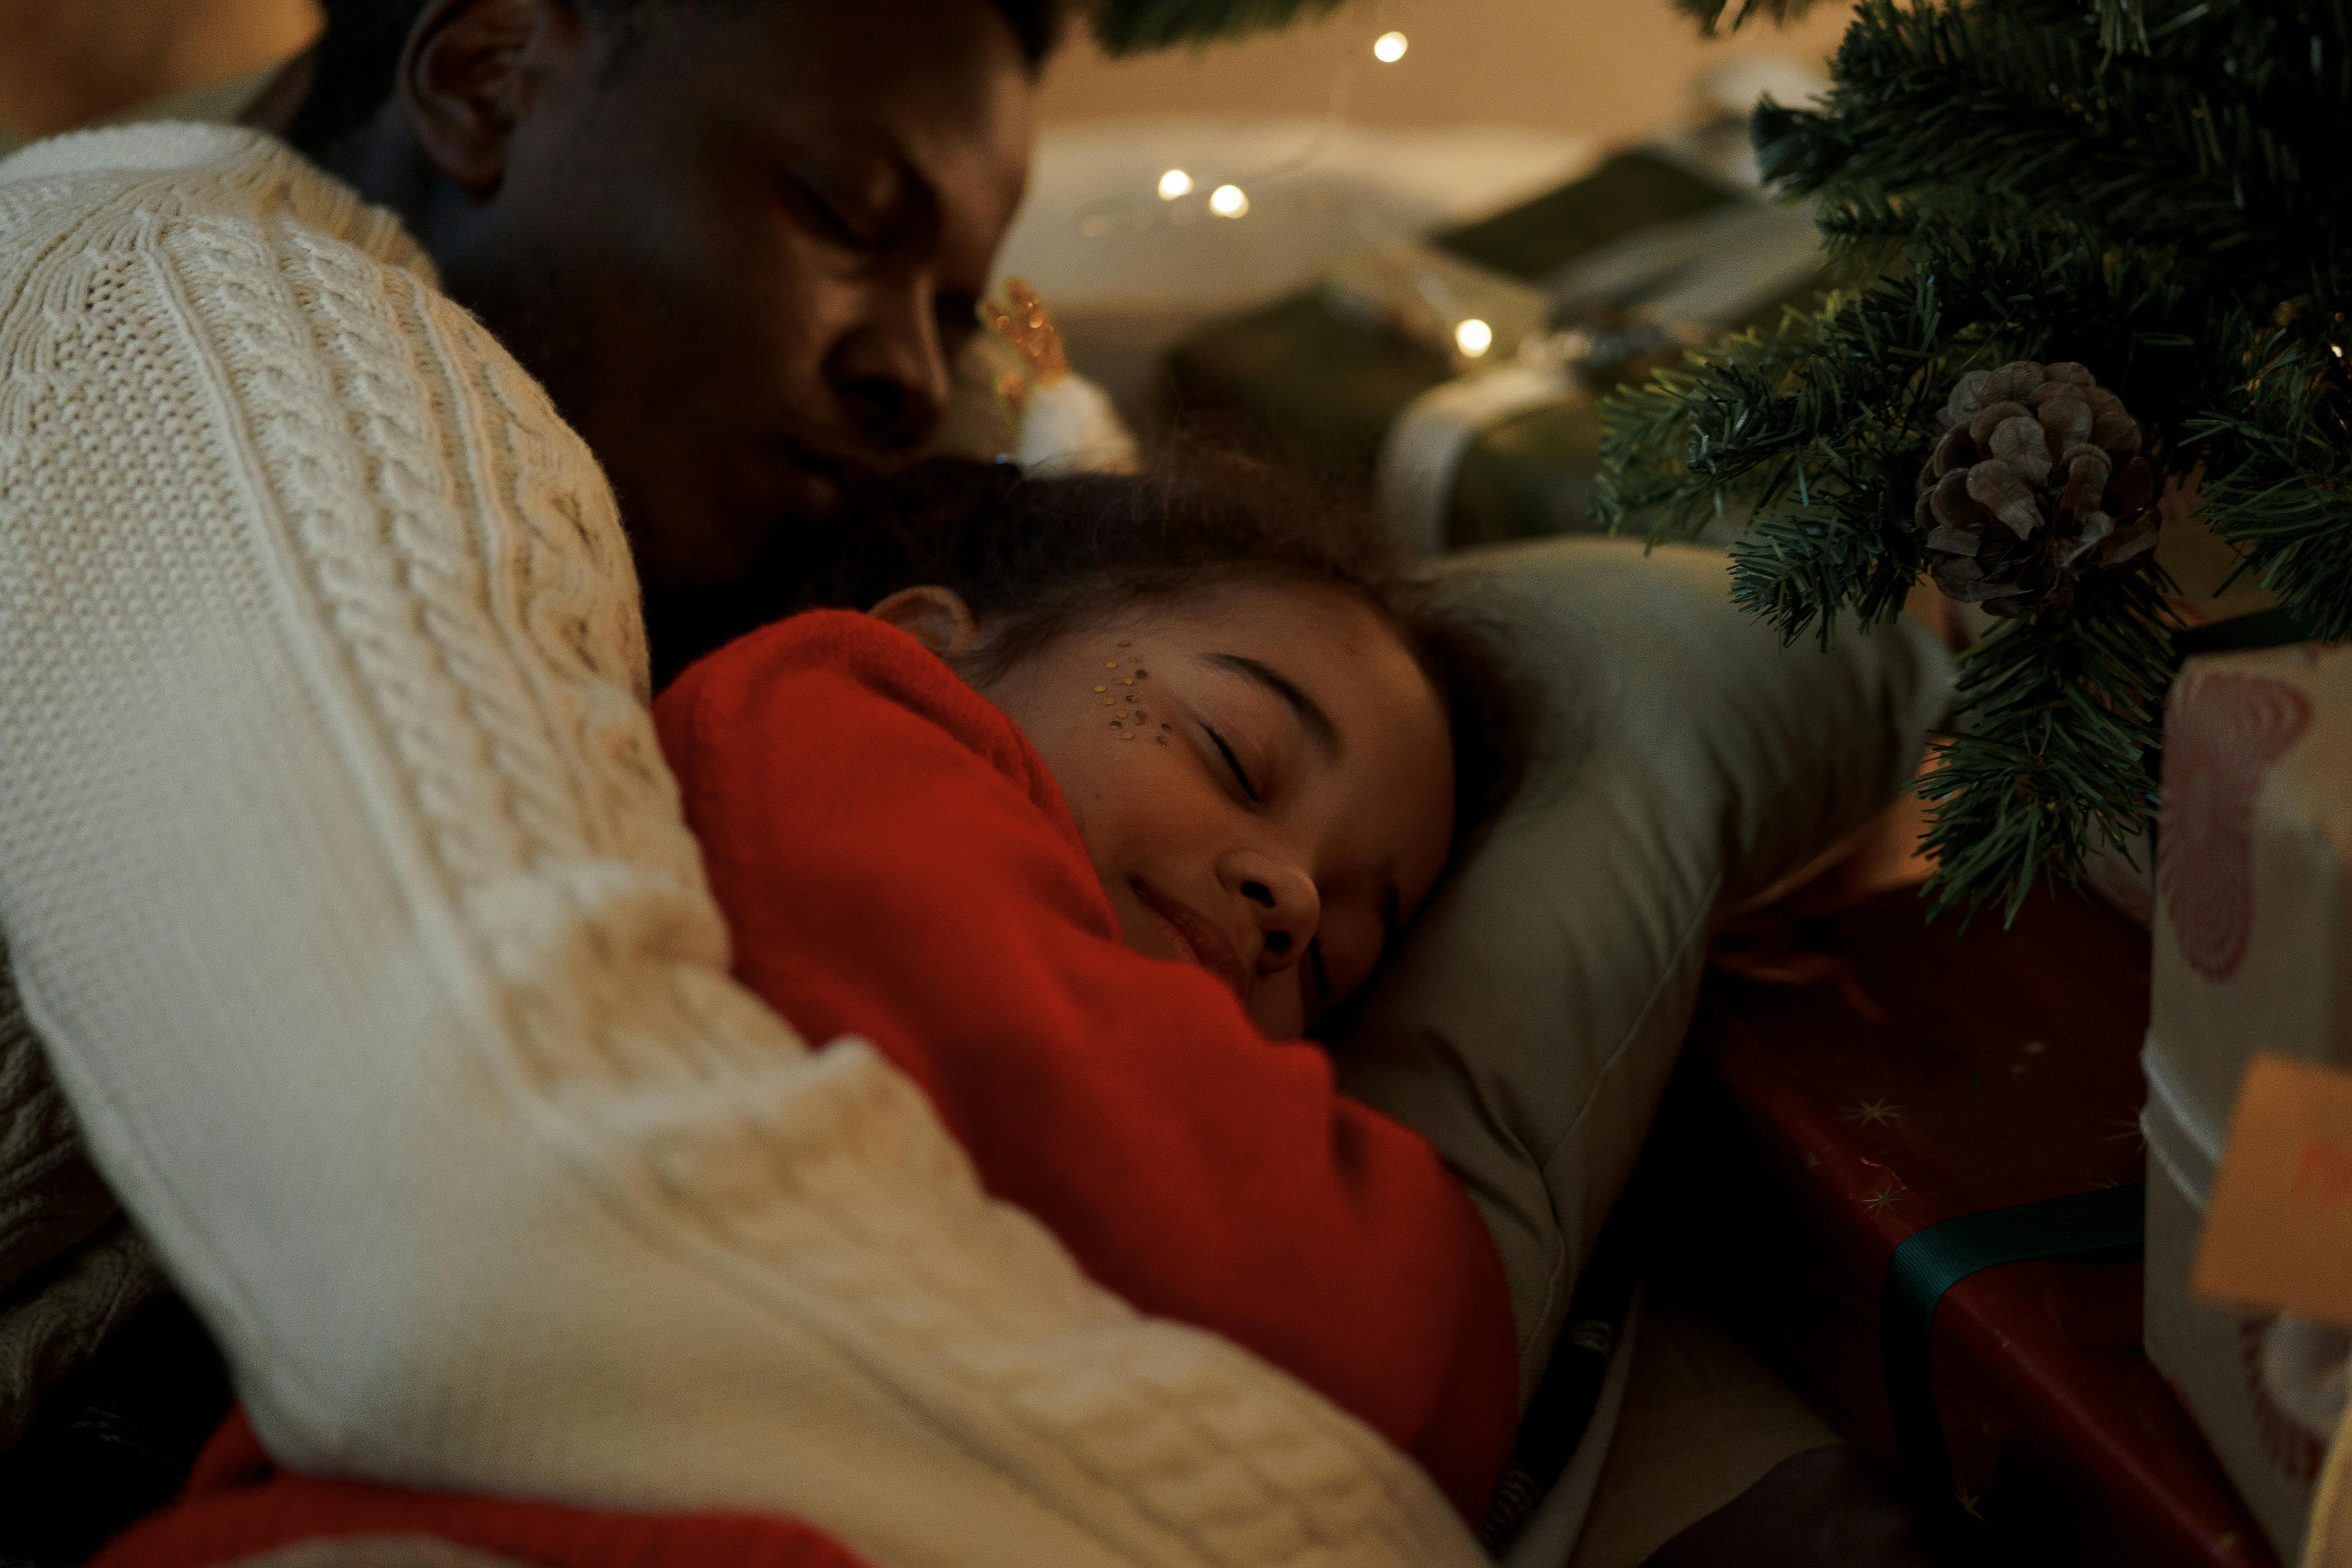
[{"x": 895, "y": 862}]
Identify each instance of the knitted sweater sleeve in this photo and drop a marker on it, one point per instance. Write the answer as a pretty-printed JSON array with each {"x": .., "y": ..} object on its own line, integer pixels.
[{"x": 347, "y": 887}]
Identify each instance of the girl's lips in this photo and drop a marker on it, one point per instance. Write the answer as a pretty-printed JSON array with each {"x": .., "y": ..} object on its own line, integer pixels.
[{"x": 1194, "y": 940}]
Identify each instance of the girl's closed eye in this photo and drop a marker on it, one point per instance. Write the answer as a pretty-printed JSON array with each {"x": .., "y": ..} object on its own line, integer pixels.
[{"x": 1233, "y": 762}]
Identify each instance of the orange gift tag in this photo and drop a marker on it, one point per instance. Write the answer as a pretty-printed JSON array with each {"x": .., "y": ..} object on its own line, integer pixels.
[{"x": 2278, "y": 1233}]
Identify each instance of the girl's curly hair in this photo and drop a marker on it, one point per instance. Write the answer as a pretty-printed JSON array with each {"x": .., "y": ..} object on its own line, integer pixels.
[{"x": 1034, "y": 557}]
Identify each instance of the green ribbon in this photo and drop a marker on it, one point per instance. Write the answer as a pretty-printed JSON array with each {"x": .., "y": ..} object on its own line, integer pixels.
[
  {"x": 2264, "y": 628},
  {"x": 2111, "y": 1222}
]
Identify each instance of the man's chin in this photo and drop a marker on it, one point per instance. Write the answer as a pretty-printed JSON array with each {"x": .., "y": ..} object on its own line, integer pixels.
[{"x": 804, "y": 491}]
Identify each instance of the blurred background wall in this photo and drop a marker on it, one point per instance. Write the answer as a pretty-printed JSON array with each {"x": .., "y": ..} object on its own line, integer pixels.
[
  {"x": 64, "y": 63},
  {"x": 1489, "y": 102},
  {"x": 1605, "y": 69}
]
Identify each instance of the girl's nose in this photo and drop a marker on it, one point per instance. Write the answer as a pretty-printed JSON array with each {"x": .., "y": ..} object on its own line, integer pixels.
[{"x": 1284, "y": 904}]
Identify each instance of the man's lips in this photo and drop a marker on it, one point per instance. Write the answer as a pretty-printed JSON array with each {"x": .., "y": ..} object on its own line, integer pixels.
[
  {"x": 821, "y": 473},
  {"x": 1194, "y": 939}
]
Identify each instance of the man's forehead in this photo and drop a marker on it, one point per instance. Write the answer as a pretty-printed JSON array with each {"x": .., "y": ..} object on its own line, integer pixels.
[
  {"x": 939, "y": 85},
  {"x": 955, "y": 65}
]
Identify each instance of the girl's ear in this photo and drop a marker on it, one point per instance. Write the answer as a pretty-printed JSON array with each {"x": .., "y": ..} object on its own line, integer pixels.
[{"x": 935, "y": 616}]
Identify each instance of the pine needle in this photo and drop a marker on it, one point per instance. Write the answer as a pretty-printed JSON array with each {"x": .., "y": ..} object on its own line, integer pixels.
[
  {"x": 1136, "y": 26},
  {"x": 2160, "y": 189},
  {"x": 1708, "y": 13}
]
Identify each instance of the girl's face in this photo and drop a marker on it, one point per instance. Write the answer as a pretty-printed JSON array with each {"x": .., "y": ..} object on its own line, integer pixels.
[{"x": 1262, "y": 775}]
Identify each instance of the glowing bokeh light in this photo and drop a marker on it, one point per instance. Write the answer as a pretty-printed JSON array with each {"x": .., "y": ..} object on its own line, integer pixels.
[
  {"x": 1228, "y": 201},
  {"x": 1473, "y": 337},
  {"x": 1388, "y": 47},
  {"x": 1173, "y": 183}
]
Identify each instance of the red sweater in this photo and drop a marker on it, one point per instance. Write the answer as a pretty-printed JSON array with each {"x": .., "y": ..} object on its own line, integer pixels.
[{"x": 895, "y": 862}]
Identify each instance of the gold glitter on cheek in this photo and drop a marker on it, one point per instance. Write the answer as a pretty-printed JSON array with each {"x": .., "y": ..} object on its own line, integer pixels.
[
  {"x": 1126, "y": 645},
  {"x": 1142, "y": 675},
  {"x": 1161, "y": 738},
  {"x": 1112, "y": 664},
  {"x": 1114, "y": 724},
  {"x": 1102, "y": 688},
  {"x": 1127, "y": 735}
]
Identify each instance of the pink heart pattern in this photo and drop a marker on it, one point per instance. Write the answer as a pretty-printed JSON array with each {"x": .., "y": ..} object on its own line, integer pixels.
[{"x": 2224, "y": 732}]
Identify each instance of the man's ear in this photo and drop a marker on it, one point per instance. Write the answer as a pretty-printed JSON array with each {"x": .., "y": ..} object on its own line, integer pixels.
[
  {"x": 935, "y": 616},
  {"x": 469, "y": 75}
]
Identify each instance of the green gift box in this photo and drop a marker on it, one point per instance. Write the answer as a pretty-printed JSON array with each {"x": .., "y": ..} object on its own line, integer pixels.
[{"x": 1453, "y": 381}]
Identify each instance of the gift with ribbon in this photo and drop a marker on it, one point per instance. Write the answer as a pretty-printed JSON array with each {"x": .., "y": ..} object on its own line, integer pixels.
[
  {"x": 1906, "y": 1158},
  {"x": 1453, "y": 379},
  {"x": 2254, "y": 962}
]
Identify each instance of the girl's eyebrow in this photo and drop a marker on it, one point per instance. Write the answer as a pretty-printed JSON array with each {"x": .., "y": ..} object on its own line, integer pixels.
[{"x": 1310, "y": 712}]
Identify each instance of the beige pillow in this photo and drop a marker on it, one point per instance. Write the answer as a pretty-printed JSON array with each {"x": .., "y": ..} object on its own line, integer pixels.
[{"x": 1685, "y": 762}]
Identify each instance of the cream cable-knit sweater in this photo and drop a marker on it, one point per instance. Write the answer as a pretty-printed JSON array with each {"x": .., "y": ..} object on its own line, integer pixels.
[{"x": 344, "y": 881}]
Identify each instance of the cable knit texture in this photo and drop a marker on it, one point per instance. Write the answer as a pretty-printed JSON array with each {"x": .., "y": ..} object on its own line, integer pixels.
[{"x": 347, "y": 887}]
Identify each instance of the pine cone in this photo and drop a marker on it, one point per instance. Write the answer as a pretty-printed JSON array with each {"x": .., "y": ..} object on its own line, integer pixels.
[{"x": 2037, "y": 482}]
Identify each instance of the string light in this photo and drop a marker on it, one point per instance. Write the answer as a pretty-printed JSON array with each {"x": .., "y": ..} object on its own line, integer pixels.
[
  {"x": 1473, "y": 337},
  {"x": 1232, "y": 202}
]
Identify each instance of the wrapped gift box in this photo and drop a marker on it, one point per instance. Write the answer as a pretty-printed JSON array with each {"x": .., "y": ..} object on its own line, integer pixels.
[
  {"x": 1857, "y": 1079},
  {"x": 2252, "y": 951},
  {"x": 1369, "y": 377}
]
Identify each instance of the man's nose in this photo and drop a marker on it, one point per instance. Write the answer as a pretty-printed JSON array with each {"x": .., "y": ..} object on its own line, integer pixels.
[
  {"x": 1283, "y": 902},
  {"x": 890, "y": 371}
]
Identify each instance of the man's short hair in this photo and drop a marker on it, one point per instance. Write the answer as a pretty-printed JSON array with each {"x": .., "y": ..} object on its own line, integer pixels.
[{"x": 359, "y": 49}]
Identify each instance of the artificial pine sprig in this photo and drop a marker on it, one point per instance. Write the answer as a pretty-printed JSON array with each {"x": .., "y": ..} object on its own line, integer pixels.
[
  {"x": 2280, "y": 480},
  {"x": 1136, "y": 26},
  {"x": 1708, "y": 13},
  {"x": 2158, "y": 189},
  {"x": 2063, "y": 716}
]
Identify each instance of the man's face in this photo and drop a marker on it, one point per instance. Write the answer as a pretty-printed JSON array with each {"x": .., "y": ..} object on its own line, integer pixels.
[{"x": 741, "y": 244}]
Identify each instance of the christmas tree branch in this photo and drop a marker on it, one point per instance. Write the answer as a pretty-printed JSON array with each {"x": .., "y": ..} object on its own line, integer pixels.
[
  {"x": 1136, "y": 26},
  {"x": 2279, "y": 489},
  {"x": 2060, "y": 717},
  {"x": 1708, "y": 13},
  {"x": 2158, "y": 190},
  {"x": 1818, "y": 430},
  {"x": 2010, "y": 114}
]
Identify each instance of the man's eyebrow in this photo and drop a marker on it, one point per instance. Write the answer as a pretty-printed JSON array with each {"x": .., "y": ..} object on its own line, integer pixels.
[
  {"x": 1311, "y": 717},
  {"x": 916, "y": 203},
  {"x": 913, "y": 212}
]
